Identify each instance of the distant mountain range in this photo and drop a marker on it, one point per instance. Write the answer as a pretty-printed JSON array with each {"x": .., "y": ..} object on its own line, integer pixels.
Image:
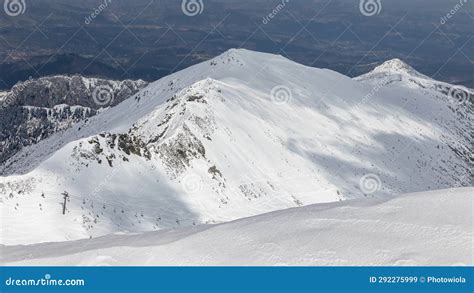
[{"x": 35, "y": 109}]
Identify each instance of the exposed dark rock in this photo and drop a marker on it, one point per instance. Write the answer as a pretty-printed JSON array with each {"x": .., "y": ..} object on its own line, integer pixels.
[{"x": 35, "y": 109}]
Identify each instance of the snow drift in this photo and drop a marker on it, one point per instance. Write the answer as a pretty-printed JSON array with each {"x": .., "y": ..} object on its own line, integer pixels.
[{"x": 429, "y": 228}]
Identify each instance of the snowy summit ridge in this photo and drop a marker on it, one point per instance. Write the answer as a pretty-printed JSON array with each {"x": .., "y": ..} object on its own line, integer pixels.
[
  {"x": 397, "y": 66},
  {"x": 392, "y": 71}
]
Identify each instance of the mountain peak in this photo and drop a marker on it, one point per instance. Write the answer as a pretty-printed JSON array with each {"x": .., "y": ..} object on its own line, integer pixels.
[
  {"x": 397, "y": 66},
  {"x": 394, "y": 68},
  {"x": 243, "y": 52},
  {"x": 241, "y": 55}
]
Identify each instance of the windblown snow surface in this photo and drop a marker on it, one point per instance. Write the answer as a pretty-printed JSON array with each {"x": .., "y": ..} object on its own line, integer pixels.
[
  {"x": 243, "y": 134},
  {"x": 429, "y": 228}
]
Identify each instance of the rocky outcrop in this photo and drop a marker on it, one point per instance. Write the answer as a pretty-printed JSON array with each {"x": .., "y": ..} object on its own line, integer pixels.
[{"x": 35, "y": 109}]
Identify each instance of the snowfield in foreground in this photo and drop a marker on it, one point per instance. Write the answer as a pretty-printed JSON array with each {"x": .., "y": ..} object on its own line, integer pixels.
[{"x": 429, "y": 228}]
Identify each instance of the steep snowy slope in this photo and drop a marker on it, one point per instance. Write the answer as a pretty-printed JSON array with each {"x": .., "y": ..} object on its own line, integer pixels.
[
  {"x": 243, "y": 134},
  {"x": 359, "y": 232}
]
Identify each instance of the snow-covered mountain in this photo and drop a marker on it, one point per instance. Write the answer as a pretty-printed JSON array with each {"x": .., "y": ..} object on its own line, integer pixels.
[
  {"x": 37, "y": 108},
  {"x": 393, "y": 67},
  {"x": 240, "y": 135},
  {"x": 356, "y": 232}
]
